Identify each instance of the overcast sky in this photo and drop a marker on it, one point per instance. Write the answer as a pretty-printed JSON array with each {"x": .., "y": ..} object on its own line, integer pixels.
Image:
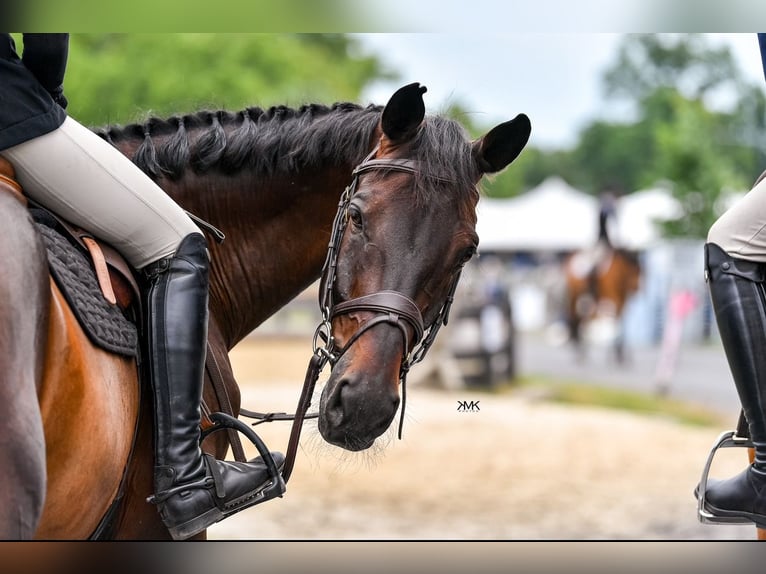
[{"x": 554, "y": 78}]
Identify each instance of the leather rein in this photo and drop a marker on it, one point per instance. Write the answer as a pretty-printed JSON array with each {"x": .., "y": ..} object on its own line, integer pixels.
[{"x": 391, "y": 307}]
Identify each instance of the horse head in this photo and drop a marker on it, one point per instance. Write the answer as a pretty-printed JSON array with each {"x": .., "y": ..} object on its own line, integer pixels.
[{"x": 405, "y": 228}]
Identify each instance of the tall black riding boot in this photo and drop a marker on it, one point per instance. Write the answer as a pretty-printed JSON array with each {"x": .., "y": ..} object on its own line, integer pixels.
[
  {"x": 738, "y": 292},
  {"x": 192, "y": 490}
]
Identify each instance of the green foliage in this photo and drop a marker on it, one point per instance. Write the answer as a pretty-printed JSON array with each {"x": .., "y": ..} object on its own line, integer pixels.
[
  {"x": 613, "y": 155},
  {"x": 684, "y": 142},
  {"x": 118, "y": 78},
  {"x": 685, "y": 62},
  {"x": 690, "y": 156},
  {"x": 529, "y": 170},
  {"x": 184, "y": 15},
  {"x": 675, "y": 138}
]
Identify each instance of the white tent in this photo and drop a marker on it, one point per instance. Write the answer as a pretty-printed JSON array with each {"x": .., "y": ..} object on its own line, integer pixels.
[
  {"x": 554, "y": 216},
  {"x": 638, "y": 214}
]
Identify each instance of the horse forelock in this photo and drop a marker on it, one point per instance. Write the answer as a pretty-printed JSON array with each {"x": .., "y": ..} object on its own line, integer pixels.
[{"x": 443, "y": 151}]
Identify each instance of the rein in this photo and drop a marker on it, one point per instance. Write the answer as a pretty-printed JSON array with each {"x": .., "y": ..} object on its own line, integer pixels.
[{"x": 392, "y": 307}]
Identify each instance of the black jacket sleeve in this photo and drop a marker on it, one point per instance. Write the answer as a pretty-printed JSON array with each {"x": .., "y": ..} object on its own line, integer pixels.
[{"x": 45, "y": 55}]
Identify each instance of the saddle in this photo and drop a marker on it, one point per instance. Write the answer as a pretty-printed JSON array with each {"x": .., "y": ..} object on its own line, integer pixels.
[{"x": 101, "y": 289}]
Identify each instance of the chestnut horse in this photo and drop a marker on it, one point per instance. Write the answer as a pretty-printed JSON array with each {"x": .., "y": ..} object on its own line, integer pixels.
[
  {"x": 76, "y": 424},
  {"x": 599, "y": 282}
]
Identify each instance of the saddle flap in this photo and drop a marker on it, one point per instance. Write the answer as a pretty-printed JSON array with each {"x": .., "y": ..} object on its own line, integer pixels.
[
  {"x": 105, "y": 324},
  {"x": 115, "y": 277}
]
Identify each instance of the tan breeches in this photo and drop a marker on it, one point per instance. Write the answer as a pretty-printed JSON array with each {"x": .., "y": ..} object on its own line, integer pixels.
[
  {"x": 741, "y": 231},
  {"x": 85, "y": 180}
]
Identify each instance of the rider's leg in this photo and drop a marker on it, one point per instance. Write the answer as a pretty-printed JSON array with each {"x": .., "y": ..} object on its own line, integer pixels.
[
  {"x": 738, "y": 294},
  {"x": 735, "y": 265},
  {"x": 192, "y": 490},
  {"x": 85, "y": 180}
]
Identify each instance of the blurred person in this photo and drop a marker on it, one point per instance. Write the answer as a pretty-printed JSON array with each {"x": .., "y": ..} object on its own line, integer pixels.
[
  {"x": 607, "y": 218},
  {"x": 735, "y": 270},
  {"x": 592, "y": 261},
  {"x": 65, "y": 167}
]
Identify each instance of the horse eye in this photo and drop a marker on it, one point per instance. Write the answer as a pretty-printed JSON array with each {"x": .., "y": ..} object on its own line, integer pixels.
[
  {"x": 355, "y": 216},
  {"x": 467, "y": 255}
]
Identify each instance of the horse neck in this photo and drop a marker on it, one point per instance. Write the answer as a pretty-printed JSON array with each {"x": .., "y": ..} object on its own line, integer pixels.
[
  {"x": 277, "y": 232},
  {"x": 277, "y": 221}
]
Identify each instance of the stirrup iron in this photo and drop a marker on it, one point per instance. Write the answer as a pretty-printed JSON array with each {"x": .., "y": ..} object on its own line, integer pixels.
[
  {"x": 276, "y": 488},
  {"x": 727, "y": 439}
]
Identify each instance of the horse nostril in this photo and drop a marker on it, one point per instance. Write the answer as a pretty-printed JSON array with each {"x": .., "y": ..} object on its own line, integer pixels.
[{"x": 334, "y": 409}]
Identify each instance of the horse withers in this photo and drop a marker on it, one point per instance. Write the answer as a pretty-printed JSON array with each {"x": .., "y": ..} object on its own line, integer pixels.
[{"x": 271, "y": 180}]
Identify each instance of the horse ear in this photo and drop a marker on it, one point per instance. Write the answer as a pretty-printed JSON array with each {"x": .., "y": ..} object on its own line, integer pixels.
[
  {"x": 502, "y": 144},
  {"x": 403, "y": 113}
]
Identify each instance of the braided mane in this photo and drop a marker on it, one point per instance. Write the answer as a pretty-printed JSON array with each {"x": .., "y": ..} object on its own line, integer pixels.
[{"x": 283, "y": 140}]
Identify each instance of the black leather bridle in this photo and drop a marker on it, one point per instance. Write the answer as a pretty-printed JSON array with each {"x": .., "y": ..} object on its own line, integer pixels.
[{"x": 391, "y": 307}]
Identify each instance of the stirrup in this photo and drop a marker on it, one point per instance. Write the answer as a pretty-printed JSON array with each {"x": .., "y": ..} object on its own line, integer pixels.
[
  {"x": 277, "y": 487},
  {"x": 727, "y": 439}
]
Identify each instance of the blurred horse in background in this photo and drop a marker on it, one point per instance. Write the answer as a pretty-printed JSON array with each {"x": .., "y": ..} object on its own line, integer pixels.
[{"x": 599, "y": 282}]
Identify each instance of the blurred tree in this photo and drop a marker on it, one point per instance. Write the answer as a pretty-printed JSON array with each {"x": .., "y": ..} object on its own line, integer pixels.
[
  {"x": 674, "y": 83},
  {"x": 118, "y": 78},
  {"x": 530, "y": 169},
  {"x": 613, "y": 155},
  {"x": 684, "y": 62},
  {"x": 690, "y": 155},
  {"x": 677, "y": 132}
]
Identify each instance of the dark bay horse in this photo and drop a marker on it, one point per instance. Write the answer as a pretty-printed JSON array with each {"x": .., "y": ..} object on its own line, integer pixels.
[
  {"x": 271, "y": 180},
  {"x": 599, "y": 282}
]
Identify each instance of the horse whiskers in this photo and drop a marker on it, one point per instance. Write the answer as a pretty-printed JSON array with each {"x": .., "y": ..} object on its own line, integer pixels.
[{"x": 344, "y": 460}]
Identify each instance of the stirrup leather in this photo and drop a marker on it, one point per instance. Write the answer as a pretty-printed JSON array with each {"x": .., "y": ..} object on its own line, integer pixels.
[{"x": 727, "y": 439}]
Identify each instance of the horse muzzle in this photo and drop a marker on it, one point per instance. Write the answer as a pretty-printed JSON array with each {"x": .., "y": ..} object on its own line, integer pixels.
[{"x": 361, "y": 397}]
